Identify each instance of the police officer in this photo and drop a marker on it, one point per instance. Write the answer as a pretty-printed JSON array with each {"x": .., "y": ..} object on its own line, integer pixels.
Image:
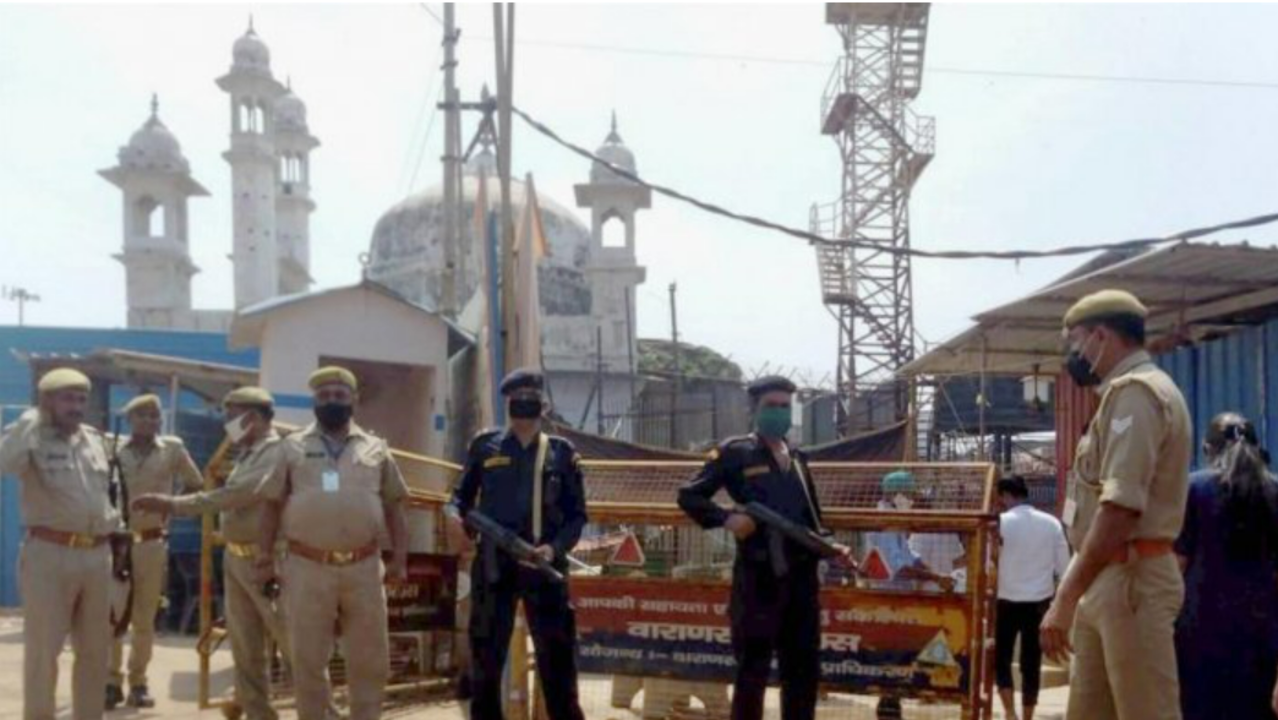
[
  {"x": 149, "y": 463},
  {"x": 531, "y": 483},
  {"x": 251, "y": 617},
  {"x": 65, "y": 565},
  {"x": 1128, "y": 486},
  {"x": 335, "y": 495},
  {"x": 775, "y": 606}
]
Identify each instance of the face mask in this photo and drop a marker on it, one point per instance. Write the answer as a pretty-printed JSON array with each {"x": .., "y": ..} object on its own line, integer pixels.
[
  {"x": 235, "y": 430},
  {"x": 1082, "y": 370},
  {"x": 902, "y": 502},
  {"x": 333, "y": 416},
  {"x": 524, "y": 408},
  {"x": 773, "y": 422}
]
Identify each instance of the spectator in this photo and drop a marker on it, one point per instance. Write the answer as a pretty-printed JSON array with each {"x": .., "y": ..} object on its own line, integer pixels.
[
  {"x": 1034, "y": 557},
  {"x": 1227, "y": 633}
]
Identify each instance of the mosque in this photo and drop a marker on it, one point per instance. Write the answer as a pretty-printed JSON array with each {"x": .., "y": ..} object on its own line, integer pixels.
[{"x": 587, "y": 282}]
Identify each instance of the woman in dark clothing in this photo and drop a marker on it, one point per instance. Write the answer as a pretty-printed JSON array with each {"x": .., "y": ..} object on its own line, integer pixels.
[{"x": 1227, "y": 633}]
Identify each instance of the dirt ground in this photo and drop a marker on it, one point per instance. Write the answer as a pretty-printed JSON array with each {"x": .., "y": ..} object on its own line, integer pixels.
[{"x": 174, "y": 683}]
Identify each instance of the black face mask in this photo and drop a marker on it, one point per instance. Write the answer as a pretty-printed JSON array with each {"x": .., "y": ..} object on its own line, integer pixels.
[
  {"x": 525, "y": 408},
  {"x": 333, "y": 416},
  {"x": 1081, "y": 370}
]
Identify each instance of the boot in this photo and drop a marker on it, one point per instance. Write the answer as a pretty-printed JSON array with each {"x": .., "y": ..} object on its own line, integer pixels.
[
  {"x": 140, "y": 698},
  {"x": 114, "y": 696}
]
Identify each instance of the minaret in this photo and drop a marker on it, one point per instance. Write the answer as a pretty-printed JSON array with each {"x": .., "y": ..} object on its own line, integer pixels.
[
  {"x": 613, "y": 268},
  {"x": 293, "y": 205},
  {"x": 156, "y": 181},
  {"x": 253, "y": 169}
]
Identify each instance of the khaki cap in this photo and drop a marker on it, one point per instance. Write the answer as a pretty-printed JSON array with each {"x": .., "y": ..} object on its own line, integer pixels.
[
  {"x": 141, "y": 401},
  {"x": 1105, "y": 303},
  {"x": 63, "y": 379},
  {"x": 249, "y": 395},
  {"x": 333, "y": 374}
]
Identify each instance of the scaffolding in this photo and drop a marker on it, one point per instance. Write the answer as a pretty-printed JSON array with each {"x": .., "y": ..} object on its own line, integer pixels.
[{"x": 884, "y": 147}]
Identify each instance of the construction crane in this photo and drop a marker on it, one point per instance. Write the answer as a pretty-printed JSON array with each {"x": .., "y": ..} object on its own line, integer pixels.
[{"x": 884, "y": 147}]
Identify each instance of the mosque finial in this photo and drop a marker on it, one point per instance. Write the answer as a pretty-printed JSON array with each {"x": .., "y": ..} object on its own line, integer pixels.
[
  {"x": 613, "y": 137},
  {"x": 288, "y": 83},
  {"x": 250, "y": 30},
  {"x": 155, "y": 106}
]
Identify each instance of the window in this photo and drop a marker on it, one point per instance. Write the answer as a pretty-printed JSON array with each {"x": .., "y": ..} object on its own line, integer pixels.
[{"x": 613, "y": 232}]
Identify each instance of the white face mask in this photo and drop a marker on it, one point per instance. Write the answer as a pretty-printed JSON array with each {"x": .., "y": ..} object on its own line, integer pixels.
[
  {"x": 902, "y": 502},
  {"x": 235, "y": 429}
]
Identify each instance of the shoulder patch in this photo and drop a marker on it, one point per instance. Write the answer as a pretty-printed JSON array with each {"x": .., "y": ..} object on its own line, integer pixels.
[{"x": 1118, "y": 426}]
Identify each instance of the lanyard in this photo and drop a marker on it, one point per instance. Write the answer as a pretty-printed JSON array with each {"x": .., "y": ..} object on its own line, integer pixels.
[
  {"x": 334, "y": 449},
  {"x": 539, "y": 466}
]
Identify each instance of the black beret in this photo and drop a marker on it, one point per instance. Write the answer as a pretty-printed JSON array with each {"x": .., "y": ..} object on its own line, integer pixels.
[
  {"x": 521, "y": 379},
  {"x": 769, "y": 384}
]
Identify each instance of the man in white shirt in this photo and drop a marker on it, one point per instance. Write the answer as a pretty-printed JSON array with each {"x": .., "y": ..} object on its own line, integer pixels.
[{"x": 1033, "y": 558}]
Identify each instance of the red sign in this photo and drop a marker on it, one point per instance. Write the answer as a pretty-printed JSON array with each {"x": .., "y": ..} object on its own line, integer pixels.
[{"x": 869, "y": 640}]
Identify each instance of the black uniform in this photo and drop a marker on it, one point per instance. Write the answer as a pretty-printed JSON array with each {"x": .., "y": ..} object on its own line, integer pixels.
[
  {"x": 769, "y": 613},
  {"x": 499, "y": 473}
]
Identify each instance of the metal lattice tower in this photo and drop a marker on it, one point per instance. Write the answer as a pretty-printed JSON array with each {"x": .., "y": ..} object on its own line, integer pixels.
[{"x": 884, "y": 147}]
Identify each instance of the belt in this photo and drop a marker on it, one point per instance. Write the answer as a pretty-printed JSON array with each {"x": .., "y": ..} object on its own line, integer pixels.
[
  {"x": 332, "y": 557},
  {"x": 67, "y": 539},
  {"x": 241, "y": 550},
  {"x": 141, "y": 536},
  {"x": 1141, "y": 550}
]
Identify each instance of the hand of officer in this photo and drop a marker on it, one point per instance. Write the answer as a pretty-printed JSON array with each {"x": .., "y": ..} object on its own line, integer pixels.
[
  {"x": 1053, "y": 634},
  {"x": 845, "y": 558},
  {"x": 740, "y": 525},
  {"x": 397, "y": 569},
  {"x": 158, "y": 504},
  {"x": 546, "y": 552},
  {"x": 264, "y": 569},
  {"x": 947, "y": 583},
  {"x": 458, "y": 539}
]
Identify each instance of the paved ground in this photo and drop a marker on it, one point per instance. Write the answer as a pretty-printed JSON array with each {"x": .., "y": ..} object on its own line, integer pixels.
[{"x": 174, "y": 683}]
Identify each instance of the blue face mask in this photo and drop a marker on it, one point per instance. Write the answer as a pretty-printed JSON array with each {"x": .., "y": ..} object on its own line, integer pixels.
[{"x": 773, "y": 422}]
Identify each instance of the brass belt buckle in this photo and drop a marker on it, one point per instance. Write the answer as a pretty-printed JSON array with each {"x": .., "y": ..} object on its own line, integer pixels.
[
  {"x": 341, "y": 557},
  {"x": 80, "y": 542}
]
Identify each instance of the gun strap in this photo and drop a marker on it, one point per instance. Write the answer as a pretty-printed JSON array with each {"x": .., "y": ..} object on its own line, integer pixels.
[
  {"x": 803, "y": 481},
  {"x": 539, "y": 467}
]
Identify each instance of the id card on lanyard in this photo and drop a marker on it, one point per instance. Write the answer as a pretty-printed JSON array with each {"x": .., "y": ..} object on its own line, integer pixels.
[{"x": 331, "y": 479}]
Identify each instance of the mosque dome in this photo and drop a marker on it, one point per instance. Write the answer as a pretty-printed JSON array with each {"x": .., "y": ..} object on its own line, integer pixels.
[
  {"x": 290, "y": 112},
  {"x": 250, "y": 53},
  {"x": 407, "y": 248},
  {"x": 614, "y": 151},
  {"x": 153, "y": 147}
]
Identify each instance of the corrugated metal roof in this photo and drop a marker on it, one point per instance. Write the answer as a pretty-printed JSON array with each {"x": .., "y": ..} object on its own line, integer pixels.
[{"x": 1201, "y": 286}]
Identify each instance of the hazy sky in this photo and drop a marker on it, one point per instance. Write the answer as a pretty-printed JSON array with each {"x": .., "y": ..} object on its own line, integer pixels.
[{"x": 1021, "y": 161}]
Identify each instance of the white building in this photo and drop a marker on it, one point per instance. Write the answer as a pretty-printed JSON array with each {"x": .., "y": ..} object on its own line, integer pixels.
[
  {"x": 270, "y": 145},
  {"x": 587, "y": 282}
]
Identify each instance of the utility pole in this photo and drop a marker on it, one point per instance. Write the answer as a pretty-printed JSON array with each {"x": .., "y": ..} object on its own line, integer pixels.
[
  {"x": 452, "y": 165},
  {"x": 678, "y": 370},
  {"x": 22, "y": 296},
  {"x": 504, "y": 36},
  {"x": 599, "y": 388}
]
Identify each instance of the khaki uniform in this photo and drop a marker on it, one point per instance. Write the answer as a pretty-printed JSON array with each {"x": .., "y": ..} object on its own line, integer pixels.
[
  {"x": 251, "y": 618},
  {"x": 64, "y": 587},
  {"x": 341, "y": 517},
  {"x": 148, "y": 470},
  {"x": 1136, "y": 455}
]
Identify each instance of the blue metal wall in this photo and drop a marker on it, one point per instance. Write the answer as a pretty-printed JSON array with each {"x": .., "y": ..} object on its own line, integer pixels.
[
  {"x": 1237, "y": 373},
  {"x": 16, "y": 391}
]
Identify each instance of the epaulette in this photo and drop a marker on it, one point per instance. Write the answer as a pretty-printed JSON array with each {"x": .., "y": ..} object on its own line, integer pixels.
[
  {"x": 482, "y": 437},
  {"x": 732, "y": 444}
]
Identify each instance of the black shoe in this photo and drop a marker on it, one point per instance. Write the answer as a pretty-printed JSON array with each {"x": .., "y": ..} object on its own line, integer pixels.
[
  {"x": 114, "y": 696},
  {"x": 140, "y": 698}
]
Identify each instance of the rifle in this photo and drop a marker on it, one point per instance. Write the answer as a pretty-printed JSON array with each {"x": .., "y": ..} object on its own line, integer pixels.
[
  {"x": 121, "y": 542},
  {"x": 501, "y": 538},
  {"x": 782, "y": 528}
]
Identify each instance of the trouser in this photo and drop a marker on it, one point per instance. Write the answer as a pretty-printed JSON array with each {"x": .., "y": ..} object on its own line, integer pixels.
[
  {"x": 319, "y": 596},
  {"x": 251, "y": 620},
  {"x": 1019, "y": 619},
  {"x": 782, "y": 616},
  {"x": 1124, "y": 655},
  {"x": 552, "y": 623},
  {"x": 149, "y": 561},
  {"x": 64, "y": 592}
]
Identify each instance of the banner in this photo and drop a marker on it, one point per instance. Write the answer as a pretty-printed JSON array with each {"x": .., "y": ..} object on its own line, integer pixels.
[
  {"x": 681, "y": 630},
  {"x": 428, "y": 599}
]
